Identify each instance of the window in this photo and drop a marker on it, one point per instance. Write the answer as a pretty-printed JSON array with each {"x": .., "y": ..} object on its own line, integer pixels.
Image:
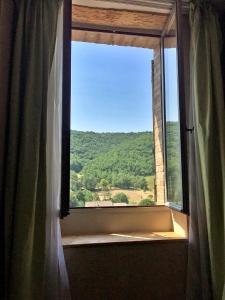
[
  {"x": 112, "y": 146},
  {"x": 174, "y": 129},
  {"x": 172, "y": 120},
  {"x": 96, "y": 159}
]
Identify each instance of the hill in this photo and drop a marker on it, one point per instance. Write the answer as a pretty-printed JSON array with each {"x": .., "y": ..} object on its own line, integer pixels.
[
  {"x": 106, "y": 155},
  {"x": 103, "y": 162},
  {"x": 100, "y": 161}
]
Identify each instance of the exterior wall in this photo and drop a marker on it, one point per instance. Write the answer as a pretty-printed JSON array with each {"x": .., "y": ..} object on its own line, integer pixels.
[{"x": 158, "y": 129}]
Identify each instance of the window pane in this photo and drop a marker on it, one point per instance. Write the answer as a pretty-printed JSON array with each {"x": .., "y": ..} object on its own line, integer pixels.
[
  {"x": 112, "y": 152},
  {"x": 172, "y": 125}
]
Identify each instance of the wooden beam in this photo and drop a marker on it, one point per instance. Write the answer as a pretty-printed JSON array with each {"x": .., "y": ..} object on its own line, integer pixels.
[
  {"x": 115, "y": 39},
  {"x": 118, "y": 18},
  {"x": 156, "y": 6}
]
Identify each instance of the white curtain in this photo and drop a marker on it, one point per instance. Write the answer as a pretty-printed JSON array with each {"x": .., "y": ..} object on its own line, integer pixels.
[{"x": 57, "y": 284}]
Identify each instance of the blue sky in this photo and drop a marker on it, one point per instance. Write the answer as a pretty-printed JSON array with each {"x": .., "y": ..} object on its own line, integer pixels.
[
  {"x": 171, "y": 87},
  {"x": 111, "y": 88}
]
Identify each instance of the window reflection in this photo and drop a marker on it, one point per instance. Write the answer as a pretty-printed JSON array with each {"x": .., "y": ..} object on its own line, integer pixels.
[{"x": 172, "y": 126}]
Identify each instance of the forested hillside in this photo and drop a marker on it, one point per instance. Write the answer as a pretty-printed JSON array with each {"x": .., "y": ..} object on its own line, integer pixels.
[
  {"x": 106, "y": 154},
  {"x": 103, "y": 163},
  {"x": 100, "y": 161}
]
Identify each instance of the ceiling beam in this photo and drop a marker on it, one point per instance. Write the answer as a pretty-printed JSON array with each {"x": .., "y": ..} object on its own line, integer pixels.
[
  {"x": 115, "y": 39},
  {"x": 157, "y": 6},
  {"x": 116, "y": 19}
]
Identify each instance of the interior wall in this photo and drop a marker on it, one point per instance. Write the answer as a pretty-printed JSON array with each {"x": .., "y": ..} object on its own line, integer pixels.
[
  {"x": 154, "y": 271},
  {"x": 111, "y": 220}
]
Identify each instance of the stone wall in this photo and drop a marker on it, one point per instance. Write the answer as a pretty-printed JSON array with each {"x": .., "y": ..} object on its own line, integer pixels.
[{"x": 158, "y": 128}]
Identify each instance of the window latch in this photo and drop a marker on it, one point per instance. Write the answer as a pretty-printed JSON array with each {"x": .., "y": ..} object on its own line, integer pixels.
[{"x": 190, "y": 129}]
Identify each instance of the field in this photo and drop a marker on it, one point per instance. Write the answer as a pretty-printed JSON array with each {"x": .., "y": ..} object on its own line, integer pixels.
[{"x": 134, "y": 195}]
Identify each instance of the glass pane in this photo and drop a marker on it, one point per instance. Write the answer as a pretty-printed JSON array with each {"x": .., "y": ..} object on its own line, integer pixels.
[
  {"x": 172, "y": 126},
  {"x": 112, "y": 151}
]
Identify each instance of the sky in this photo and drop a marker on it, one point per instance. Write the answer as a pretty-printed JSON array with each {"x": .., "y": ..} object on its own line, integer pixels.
[
  {"x": 111, "y": 88},
  {"x": 171, "y": 86}
]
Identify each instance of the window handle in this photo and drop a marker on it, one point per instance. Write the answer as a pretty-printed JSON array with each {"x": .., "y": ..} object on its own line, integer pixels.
[{"x": 190, "y": 129}]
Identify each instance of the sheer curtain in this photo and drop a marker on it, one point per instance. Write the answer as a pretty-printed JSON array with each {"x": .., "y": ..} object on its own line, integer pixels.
[{"x": 57, "y": 284}]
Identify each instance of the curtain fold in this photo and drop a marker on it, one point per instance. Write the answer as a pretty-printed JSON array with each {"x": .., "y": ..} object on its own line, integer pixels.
[
  {"x": 25, "y": 179},
  {"x": 206, "y": 264}
]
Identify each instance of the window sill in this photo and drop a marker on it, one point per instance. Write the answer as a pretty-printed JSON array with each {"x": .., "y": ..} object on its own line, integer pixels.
[
  {"x": 107, "y": 222},
  {"x": 120, "y": 238}
]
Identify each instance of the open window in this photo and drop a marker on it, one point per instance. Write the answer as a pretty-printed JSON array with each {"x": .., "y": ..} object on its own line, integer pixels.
[
  {"x": 154, "y": 171},
  {"x": 174, "y": 113}
]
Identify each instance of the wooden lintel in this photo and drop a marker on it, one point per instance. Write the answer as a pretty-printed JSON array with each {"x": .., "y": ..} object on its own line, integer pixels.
[
  {"x": 115, "y": 39},
  {"x": 118, "y": 18}
]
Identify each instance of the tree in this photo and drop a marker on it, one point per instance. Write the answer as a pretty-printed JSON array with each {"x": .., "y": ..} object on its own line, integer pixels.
[
  {"x": 73, "y": 199},
  {"x": 120, "y": 198},
  {"x": 81, "y": 198},
  {"x": 77, "y": 199},
  {"x": 104, "y": 185},
  {"x": 75, "y": 165},
  {"x": 89, "y": 182},
  {"x": 75, "y": 182},
  {"x": 139, "y": 182},
  {"x": 88, "y": 196},
  {"x": 123, "y": 181},
  {"x": 146, "y": 202},
  {"x": 143, "y": 184}
]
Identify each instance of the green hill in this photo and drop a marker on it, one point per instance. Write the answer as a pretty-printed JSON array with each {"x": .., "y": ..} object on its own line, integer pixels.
[
  {"x": 100, "y": 161},
  {"x": 109, "y": 155}
]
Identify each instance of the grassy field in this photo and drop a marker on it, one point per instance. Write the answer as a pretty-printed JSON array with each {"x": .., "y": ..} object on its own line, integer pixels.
[{"x": 134, "y": 196}]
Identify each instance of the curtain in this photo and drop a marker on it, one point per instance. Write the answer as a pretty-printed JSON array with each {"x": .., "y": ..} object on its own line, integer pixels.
[
  {"x": 26, "y": 194},
  {"x": 207, "y": 164},
  {"x": 55, "y": 266}
]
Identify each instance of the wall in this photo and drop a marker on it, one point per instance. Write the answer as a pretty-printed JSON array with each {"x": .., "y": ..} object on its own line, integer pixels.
[
  {"x": 117, "y": 220},
  {"x": 154, "y": 270},
  {"x": 158, "y": 129}
]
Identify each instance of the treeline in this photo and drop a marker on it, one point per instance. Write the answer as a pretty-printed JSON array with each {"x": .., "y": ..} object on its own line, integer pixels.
[
  {"x": 92, "y": 183},
  {"x": 85, "y": 189}
]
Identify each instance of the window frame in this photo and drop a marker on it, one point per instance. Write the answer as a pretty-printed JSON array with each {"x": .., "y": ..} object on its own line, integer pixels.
[
  {"x": 66, "y": 105},
  {"x": 177, "y": 13}
]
